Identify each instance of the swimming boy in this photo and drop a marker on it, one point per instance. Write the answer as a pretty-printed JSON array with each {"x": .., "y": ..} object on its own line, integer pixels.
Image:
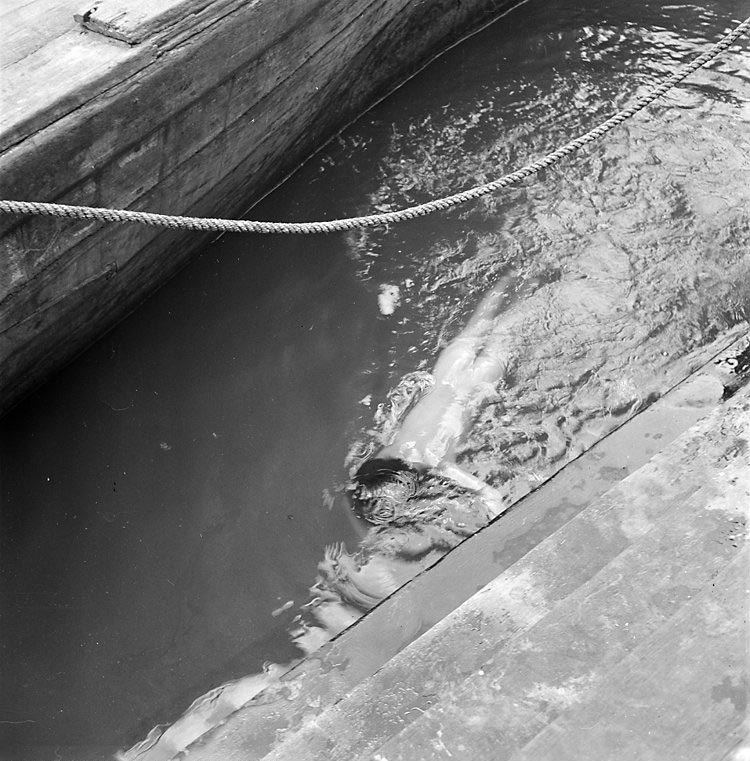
[{"x": 466, "y": 374}]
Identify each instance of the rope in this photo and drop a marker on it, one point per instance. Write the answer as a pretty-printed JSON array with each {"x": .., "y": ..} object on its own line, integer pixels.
[{"x": 387, "y": 218}]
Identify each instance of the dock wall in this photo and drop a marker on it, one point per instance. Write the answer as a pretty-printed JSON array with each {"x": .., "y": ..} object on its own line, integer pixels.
[{"x": 181, "y": 107}]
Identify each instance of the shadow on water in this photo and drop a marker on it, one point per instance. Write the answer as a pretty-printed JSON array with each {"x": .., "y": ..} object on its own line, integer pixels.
[{"x": 167, "y": 499}]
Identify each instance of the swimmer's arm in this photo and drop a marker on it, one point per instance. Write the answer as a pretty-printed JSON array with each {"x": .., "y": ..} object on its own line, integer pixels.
[{"x": 491, "y": 497}]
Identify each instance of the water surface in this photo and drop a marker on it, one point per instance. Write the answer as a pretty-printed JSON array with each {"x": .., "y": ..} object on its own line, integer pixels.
[{"x": 167, "y": 498}]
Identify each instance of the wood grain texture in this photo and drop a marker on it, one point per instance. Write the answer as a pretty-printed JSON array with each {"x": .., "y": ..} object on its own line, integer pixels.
[{"x": 29, "y": 26}]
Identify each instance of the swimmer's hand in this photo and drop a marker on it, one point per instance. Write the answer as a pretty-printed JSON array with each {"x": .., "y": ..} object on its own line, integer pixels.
[{"x": 493, "y": 499}]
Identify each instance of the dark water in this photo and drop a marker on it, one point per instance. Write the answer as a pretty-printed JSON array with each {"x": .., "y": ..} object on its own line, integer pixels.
[{"x": 168, "y": 493}]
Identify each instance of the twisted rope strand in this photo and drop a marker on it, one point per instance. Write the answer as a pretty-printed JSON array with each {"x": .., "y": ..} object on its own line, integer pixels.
[{"x": 386, "y": 218}]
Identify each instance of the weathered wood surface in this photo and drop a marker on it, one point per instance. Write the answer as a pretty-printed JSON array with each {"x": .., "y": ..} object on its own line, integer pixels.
[
  {"x": 202, "y": 116},
  {"x": 623, "y": 635},
  {"x": 55, "y": 65},
  {"x": 133, "y": 21},
  {"x": 28, "y": 25}
]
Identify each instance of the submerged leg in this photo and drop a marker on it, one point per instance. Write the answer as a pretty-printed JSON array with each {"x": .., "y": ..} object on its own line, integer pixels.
[
  {"x": 455, "y": 363},
  {"x": 500, "y": 340}
]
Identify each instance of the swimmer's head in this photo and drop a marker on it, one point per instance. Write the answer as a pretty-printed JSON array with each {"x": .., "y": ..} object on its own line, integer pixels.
[{"x": 380, "y": 486}]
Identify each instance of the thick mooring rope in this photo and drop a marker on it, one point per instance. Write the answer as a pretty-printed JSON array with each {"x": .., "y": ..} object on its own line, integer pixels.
[{"x": 387, "y": 218}]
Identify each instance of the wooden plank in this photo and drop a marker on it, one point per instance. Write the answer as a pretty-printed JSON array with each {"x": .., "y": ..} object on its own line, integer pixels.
[
  {"x": 133, "y": 21},
  {"x": 29, "y": 26},
  {"x": 152, "y": 84},
  {"x": 58, "y": 78}
]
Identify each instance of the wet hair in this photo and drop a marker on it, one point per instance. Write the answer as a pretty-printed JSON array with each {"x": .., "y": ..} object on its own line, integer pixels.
[
  {"x": 380, "y": 485},
  {"x": 379, "y": 470}
]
